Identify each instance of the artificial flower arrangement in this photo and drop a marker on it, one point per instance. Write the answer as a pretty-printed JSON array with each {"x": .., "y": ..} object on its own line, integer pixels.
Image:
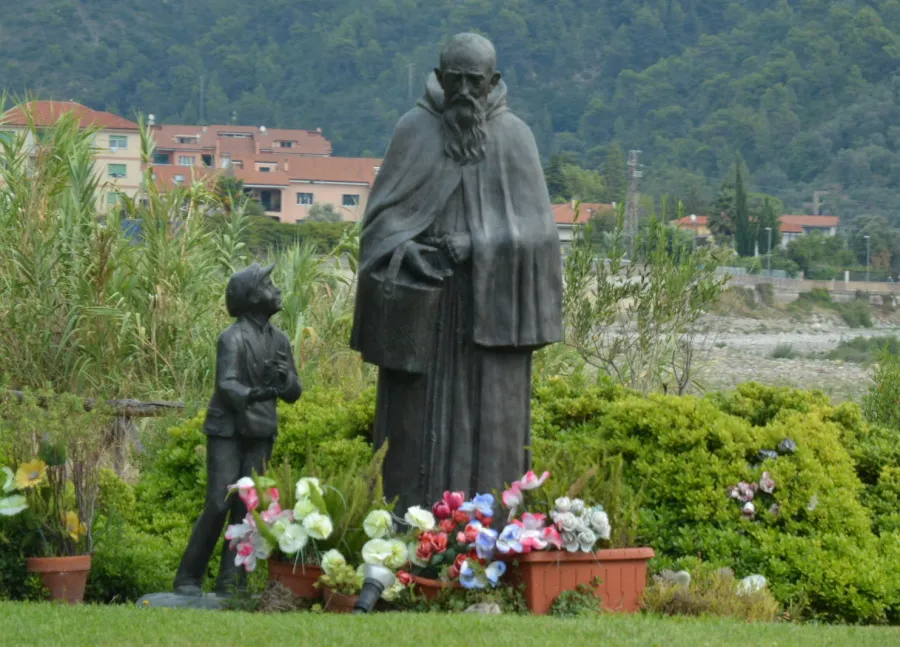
[
  {"x": 454, "y": 542},
  {"x": 535, "y": 523},
  {"x": 40, "y": 491},
  {"x": 745, "y": 493}
]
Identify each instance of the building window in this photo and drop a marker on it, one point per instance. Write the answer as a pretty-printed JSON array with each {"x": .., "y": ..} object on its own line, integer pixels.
[
  {"x": 286, "y": 144},
  {"x": 161, "y": 159},
  {"x": 117, "y": 170},
  {"x": 207, "y": 160},
  {"x": 179, "y": 179},
  {"x": 118, "y": 142},
  {"x": 237, "y": 163},
  {"x": 186, "y": 139},
  {"x": 351, "y": 200},
  {"x": 304, "y": 198},
  {"x": 114, "y": 198},
  {"x": 185, "y": 160},
  {"x": 264, "y": 169}
]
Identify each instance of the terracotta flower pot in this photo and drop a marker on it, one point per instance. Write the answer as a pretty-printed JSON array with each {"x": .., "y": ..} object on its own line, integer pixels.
[
  {"x": 299, "y": 579},
  {"x": 339, "y": 602},
  {"x": 65, "y": 577},
  {"x": 431, "y": 588},
  {"x": 546, "y": 574}
]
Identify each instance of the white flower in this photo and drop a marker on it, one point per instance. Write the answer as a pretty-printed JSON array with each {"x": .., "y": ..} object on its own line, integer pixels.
[
  {"x": 586, "y": 540},
  {"x": 419, "y": 518},
  {"x": 331, "y": 560},
  {"x": 293, "y": 539},
  {"x": 567, "y": 521},
  {"x": 378, "y": 524},
  {"x": 244, "y": 483},
  {"x": 563, "y": 504},
  {"x": 577, "y": 506},
  {"x": 377, "y": 551},
  {"x": 317, "y": 525},
  {"x": 749, "y": 510},
  {"x": 570, "y": 540},
  {"x": 305, "y": 486},
  {"x": 391, "y": 594},
  {"x": 303, "y": 509},
  {"x": 599, "y": 522},
  {"x": 399, "y": 555},
  {"x": 813, "y": 503}
]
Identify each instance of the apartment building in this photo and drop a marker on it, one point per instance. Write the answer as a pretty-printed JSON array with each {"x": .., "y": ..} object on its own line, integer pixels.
[
  {"x": 117, "y": 141},
  {"x": 287, "y": 171}
]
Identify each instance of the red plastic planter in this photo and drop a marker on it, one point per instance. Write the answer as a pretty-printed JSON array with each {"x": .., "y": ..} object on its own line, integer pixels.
[
  {"x": 339, "y": 602},
  {"x": 64, "y": 577},
  {"x": 299, "y": 579},
  {"x": 546, "y": 574},
  {"x": 431, "y": 588}
]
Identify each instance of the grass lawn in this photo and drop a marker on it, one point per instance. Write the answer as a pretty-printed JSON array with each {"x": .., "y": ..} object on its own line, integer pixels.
[{"x": 51, "y": 624}]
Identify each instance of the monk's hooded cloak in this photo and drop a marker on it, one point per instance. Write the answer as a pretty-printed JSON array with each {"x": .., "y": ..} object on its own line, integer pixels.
[{"x": 459, "y": 420}]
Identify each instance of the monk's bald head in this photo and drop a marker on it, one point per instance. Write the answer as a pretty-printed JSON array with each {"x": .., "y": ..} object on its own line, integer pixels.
[{"x": 469, "y": 50}]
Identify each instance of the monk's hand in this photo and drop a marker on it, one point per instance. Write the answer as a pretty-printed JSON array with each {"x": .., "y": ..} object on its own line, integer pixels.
[
  {"x": 459, "y": 247},
  {"x": 415, "y": 261}
]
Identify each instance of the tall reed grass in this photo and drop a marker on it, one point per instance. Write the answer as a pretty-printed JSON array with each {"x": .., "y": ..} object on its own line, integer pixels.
[{"x": 87, "y": 308}]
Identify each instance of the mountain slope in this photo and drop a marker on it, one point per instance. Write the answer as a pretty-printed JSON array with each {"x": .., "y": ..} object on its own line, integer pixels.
[{"x": 803, "y": 89}]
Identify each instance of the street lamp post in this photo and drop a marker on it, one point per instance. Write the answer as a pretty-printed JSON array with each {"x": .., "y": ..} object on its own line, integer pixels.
[
  {"x": 769, "y": 260},
  {"x": 694, "y": 222},
  {"x": 868, "y": 255}
]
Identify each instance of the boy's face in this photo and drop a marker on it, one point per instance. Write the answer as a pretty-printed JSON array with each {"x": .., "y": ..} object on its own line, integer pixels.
[{"x": 267, "y": 297}]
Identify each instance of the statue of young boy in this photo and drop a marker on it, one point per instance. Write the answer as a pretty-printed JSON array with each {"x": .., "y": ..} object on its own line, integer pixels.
[{"x": 254, "y": 367}]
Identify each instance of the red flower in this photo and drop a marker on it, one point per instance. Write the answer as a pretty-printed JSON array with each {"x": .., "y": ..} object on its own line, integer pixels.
[
  {"x": 471, "y": 534},
  {"x": 454, "y": 570},
  {"x": 425, "y": 550},
  {"x": 461, "y": 517},
  {"x": 439, "y": 542},
  {"x": 404, "y": 578},
  {"x": 454, "y": 499},
  {"x": 448, "y": 525},
  {"x": 441, "y": 510}
]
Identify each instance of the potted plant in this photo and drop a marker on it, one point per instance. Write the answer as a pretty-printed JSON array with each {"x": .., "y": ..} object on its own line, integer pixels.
[
  {"x": 52, "y": 484},
  {"x": 555, "y": 544},
  {"x": 453, "y": 545}
]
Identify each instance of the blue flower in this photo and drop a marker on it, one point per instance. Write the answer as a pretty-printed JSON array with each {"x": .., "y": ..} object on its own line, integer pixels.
[
  {"x": 485, "y": 542},
  {"x": 468, "y": 579},
  {"x": 483, "y": 503},
  {"x": 508, "y": 542},
  {"x": 494, "y": 572}
]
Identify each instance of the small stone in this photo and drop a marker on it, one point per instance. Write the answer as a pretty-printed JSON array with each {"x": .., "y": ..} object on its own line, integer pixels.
[
  {"x": 485, "y": 608},
  {"x": 751, "y": 584}
]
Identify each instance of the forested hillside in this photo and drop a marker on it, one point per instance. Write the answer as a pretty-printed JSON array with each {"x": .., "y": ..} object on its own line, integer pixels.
[{"x": 804, "y": 90}]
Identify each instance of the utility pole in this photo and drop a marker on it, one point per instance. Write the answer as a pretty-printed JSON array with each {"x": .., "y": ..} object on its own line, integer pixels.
[
  {"x": 631, "y": 201},
  {"x": 769, "y": 260},
  {"x": 868, "y": 255}
]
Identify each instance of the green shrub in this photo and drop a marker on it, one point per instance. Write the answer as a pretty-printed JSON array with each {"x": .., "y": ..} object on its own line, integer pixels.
[
  {"x": 711, "y": 592},
  {"x": 115, "y": 497},
  {"x": 766, "y": 293},
  {"x": 783, "y": 351},
  {"x": 864, "y": 350}
]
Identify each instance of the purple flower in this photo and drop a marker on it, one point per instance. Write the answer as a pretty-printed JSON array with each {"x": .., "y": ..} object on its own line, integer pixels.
[
  {"x": 746, "y": 491},
  {"x": 766, "y": 484},
  {"x": 494, "y": 572},
  {"x": 508, "y": 542},
  {"x": 775, "y": 510}
]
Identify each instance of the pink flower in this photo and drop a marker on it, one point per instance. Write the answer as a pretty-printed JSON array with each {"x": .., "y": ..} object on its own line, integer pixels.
[
  {"x": 766, "y": 484},
  {"x": 531, "y": 481},
  {"x": 404, "y": 578},
  {"x": 454, "y": 499},
  {"x": 552, "y": 537},
  {"x": 512, "y": 498},
  {"x": 273, "y": 494},
  {"x": 533, "y": 521},
  {"x": 447, "y": 525},
  {"x": 461, "y": 538},
  {"x": 461, "y": 517},
  {"x": 270, "y": 515},
  {"x": 441, "y": 510},
  {"x": 250, "y": 498},
  {"x": 471, "y": 533},
  {"x": 746, "y": 491},
  {"x": 439, "y": 542}
]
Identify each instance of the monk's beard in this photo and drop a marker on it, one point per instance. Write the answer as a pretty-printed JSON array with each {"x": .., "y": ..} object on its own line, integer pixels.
[{"x": 465, "y": 131}]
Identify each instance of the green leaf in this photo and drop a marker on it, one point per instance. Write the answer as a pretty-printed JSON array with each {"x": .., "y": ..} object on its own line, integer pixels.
[{"x": 12, "y": 505}]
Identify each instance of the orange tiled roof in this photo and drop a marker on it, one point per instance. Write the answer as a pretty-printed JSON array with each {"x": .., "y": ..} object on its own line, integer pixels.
[
  {"x": 702, "y": 221},
  {"x": 47, "y": 113},
  {"x": 810, "y": 221},
  {"x": 306, "y": 142},
  {"x": 564, "y": 213},
  {"x": 789, "y": 228}
]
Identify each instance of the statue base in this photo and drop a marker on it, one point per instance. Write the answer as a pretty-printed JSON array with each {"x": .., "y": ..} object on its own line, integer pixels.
[{"x": 176, "y": 601}]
